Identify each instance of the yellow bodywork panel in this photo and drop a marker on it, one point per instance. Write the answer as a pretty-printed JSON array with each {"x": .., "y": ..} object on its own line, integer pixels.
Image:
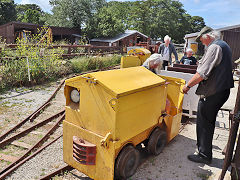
[
  {"x": 117, "y": 107},
  {"x": 142, "y": 53},
  {"x": 105, "y": 157},
  {"x": 135, "y": 57},
  {"x": 122, "y": 82},
  {"x": 130, "y": 61},
  {"x": 175, "y": 96}
]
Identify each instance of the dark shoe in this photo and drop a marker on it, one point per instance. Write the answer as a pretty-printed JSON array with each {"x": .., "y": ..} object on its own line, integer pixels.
[{"x": 199, "y": 159}]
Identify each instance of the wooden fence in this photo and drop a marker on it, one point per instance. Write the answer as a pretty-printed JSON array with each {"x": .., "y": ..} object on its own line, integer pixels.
[{"x": 79, "y": 50}]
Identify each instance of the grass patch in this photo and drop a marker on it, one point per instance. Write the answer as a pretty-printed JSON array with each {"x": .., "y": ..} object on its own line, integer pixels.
[
  {"x": 3, "y": 109},
  {"x": 203, "y": 176},
  {"x": 91, "y": 63}
]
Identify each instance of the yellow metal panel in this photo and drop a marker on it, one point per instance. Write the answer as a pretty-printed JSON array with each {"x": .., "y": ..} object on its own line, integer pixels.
[
  {"x": 173, "y": 124},
  {"x": 128, "y": 80},
  {"x": 95, "y": 109},
  {"x": 194, "y": 47},
  {"x": 174, "y": 94},
  {"x": 105, "y": 157},
  {"x": 130, "y": 61},
  {"x": 142, "y": 53},
  {"x": 174, "y": 90},
  {"x": 138, "y": 112}
]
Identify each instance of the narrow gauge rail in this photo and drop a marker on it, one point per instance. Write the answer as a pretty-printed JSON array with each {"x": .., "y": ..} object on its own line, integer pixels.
[{"x": 36, "y": 148}]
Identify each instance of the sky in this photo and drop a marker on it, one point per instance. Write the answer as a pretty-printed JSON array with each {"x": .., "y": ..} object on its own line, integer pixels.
[{"x": 216, "y": 13}]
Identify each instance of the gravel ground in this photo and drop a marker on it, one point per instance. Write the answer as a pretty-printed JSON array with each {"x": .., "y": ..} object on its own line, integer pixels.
[
  {"x": 47, "y": 161},
  {"x": 171, "y": 164}
]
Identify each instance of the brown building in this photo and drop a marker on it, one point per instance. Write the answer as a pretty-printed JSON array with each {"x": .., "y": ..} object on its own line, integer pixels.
[
  {"x": 126, "y": 39},
  {"x": 11, "y": 30},
  {"x": 230, "y": 34}
]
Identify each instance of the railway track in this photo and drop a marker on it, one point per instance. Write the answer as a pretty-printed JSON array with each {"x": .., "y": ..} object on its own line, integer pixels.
[
  {"x": 19, "y": 132},
  {"x": 14, "y": 143}
]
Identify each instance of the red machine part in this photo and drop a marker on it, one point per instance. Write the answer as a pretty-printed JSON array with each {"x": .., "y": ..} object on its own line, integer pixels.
[{"x": 84, "y": 152}]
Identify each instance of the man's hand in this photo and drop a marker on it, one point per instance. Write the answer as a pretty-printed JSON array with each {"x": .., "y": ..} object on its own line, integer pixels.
[{"x": 185, "y": 89}]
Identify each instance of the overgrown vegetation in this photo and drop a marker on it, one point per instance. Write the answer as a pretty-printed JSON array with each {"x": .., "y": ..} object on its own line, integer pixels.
[{"x": 35, "y": 61}]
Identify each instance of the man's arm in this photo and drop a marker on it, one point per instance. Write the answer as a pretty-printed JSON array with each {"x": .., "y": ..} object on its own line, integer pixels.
[
  {"x": 192, "y": 82},
  {"x": 175, "y": 54},
  {"x": 182, "y": 60},
  {"x": 160, "y": 49}
]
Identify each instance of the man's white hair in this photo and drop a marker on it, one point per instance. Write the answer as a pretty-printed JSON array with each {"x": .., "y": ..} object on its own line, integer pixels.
[
  {"x": 213, "y": 34},
  {"x": 167, "y": 38},
  {"x": 189, "y": 50},
  {"x": 156, "y": 59}
]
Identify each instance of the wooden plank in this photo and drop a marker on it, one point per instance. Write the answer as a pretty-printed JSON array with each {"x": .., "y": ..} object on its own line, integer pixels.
[
  {"x": 21, "y": 144},
  {"x": 9, "y": 158}
]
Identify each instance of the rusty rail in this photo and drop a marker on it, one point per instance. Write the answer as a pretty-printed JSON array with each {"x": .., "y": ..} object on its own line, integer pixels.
[
  {"x": 58, "y": 171},
  {"x": 9, "y": 171},
  {"x": 39, "y": 143},
  {"x": 20, "y": 134},
  {"x": 33, "y": 115}
]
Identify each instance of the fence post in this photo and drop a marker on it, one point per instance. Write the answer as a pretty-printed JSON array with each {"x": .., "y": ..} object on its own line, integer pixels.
[
  {"x": 69, "y": 49},
  {"x": 29, "y": 77}
]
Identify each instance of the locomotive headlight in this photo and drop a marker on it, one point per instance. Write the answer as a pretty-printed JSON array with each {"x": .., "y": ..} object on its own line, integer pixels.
[{"x": 75, "y": 95}]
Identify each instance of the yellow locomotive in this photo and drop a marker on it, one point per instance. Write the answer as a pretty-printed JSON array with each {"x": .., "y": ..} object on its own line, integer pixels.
[{"x": 109, "y": 113}]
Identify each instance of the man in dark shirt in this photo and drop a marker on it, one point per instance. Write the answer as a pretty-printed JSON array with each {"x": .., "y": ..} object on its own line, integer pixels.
[{"x": 188, "y": 59}]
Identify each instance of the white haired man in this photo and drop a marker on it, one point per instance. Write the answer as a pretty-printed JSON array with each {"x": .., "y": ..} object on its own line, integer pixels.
[
  {"x": 188, "y": 59},
  {"x": 166, "y": 51},
  {"x": 154, "y": 63},
  {"x": 215, "y": 79}
]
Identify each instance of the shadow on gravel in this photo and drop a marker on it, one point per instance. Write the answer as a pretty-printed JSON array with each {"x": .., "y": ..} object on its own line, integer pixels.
[
  {"x": 82, "y": 178},
  {"x": 172, "y": 163}
]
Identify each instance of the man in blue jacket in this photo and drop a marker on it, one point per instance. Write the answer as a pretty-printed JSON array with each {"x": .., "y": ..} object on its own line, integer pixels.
[{"x": 166, "y": 51}]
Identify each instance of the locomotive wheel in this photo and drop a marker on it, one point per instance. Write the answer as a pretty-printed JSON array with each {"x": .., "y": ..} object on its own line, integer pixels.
[
  {"x": 157, "y": 141},
  {"x": 127, "y": 162}
]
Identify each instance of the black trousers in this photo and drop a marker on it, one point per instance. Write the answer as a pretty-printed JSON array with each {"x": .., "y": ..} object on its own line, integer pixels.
[
  {"x": 206, "y": 118},
  {"x": 165, "y": 63}
]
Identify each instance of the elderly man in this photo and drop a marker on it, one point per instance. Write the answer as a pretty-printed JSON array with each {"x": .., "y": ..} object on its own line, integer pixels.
[
  {"x": 166, "y": 51},
  {"x": 215, "y": 78},
  {"x": 154, "y": 63}
]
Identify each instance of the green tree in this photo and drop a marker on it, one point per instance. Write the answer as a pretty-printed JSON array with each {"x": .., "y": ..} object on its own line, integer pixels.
[
  {"x": 7, "y": 11},
  {"x": 30, "y": 13},
  {"x": 154, "y": 18},
  {"x": 105, "y": 23},
  {"x": 74, "y": 13},
  {"x": 197, "y": 23}
]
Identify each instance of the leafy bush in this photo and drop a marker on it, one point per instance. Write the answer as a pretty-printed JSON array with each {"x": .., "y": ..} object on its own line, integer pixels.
[
  {"x": 95, "y": 62},
  {"x": 32, "y": 55},
  {"x": 35, "y": 60}
]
